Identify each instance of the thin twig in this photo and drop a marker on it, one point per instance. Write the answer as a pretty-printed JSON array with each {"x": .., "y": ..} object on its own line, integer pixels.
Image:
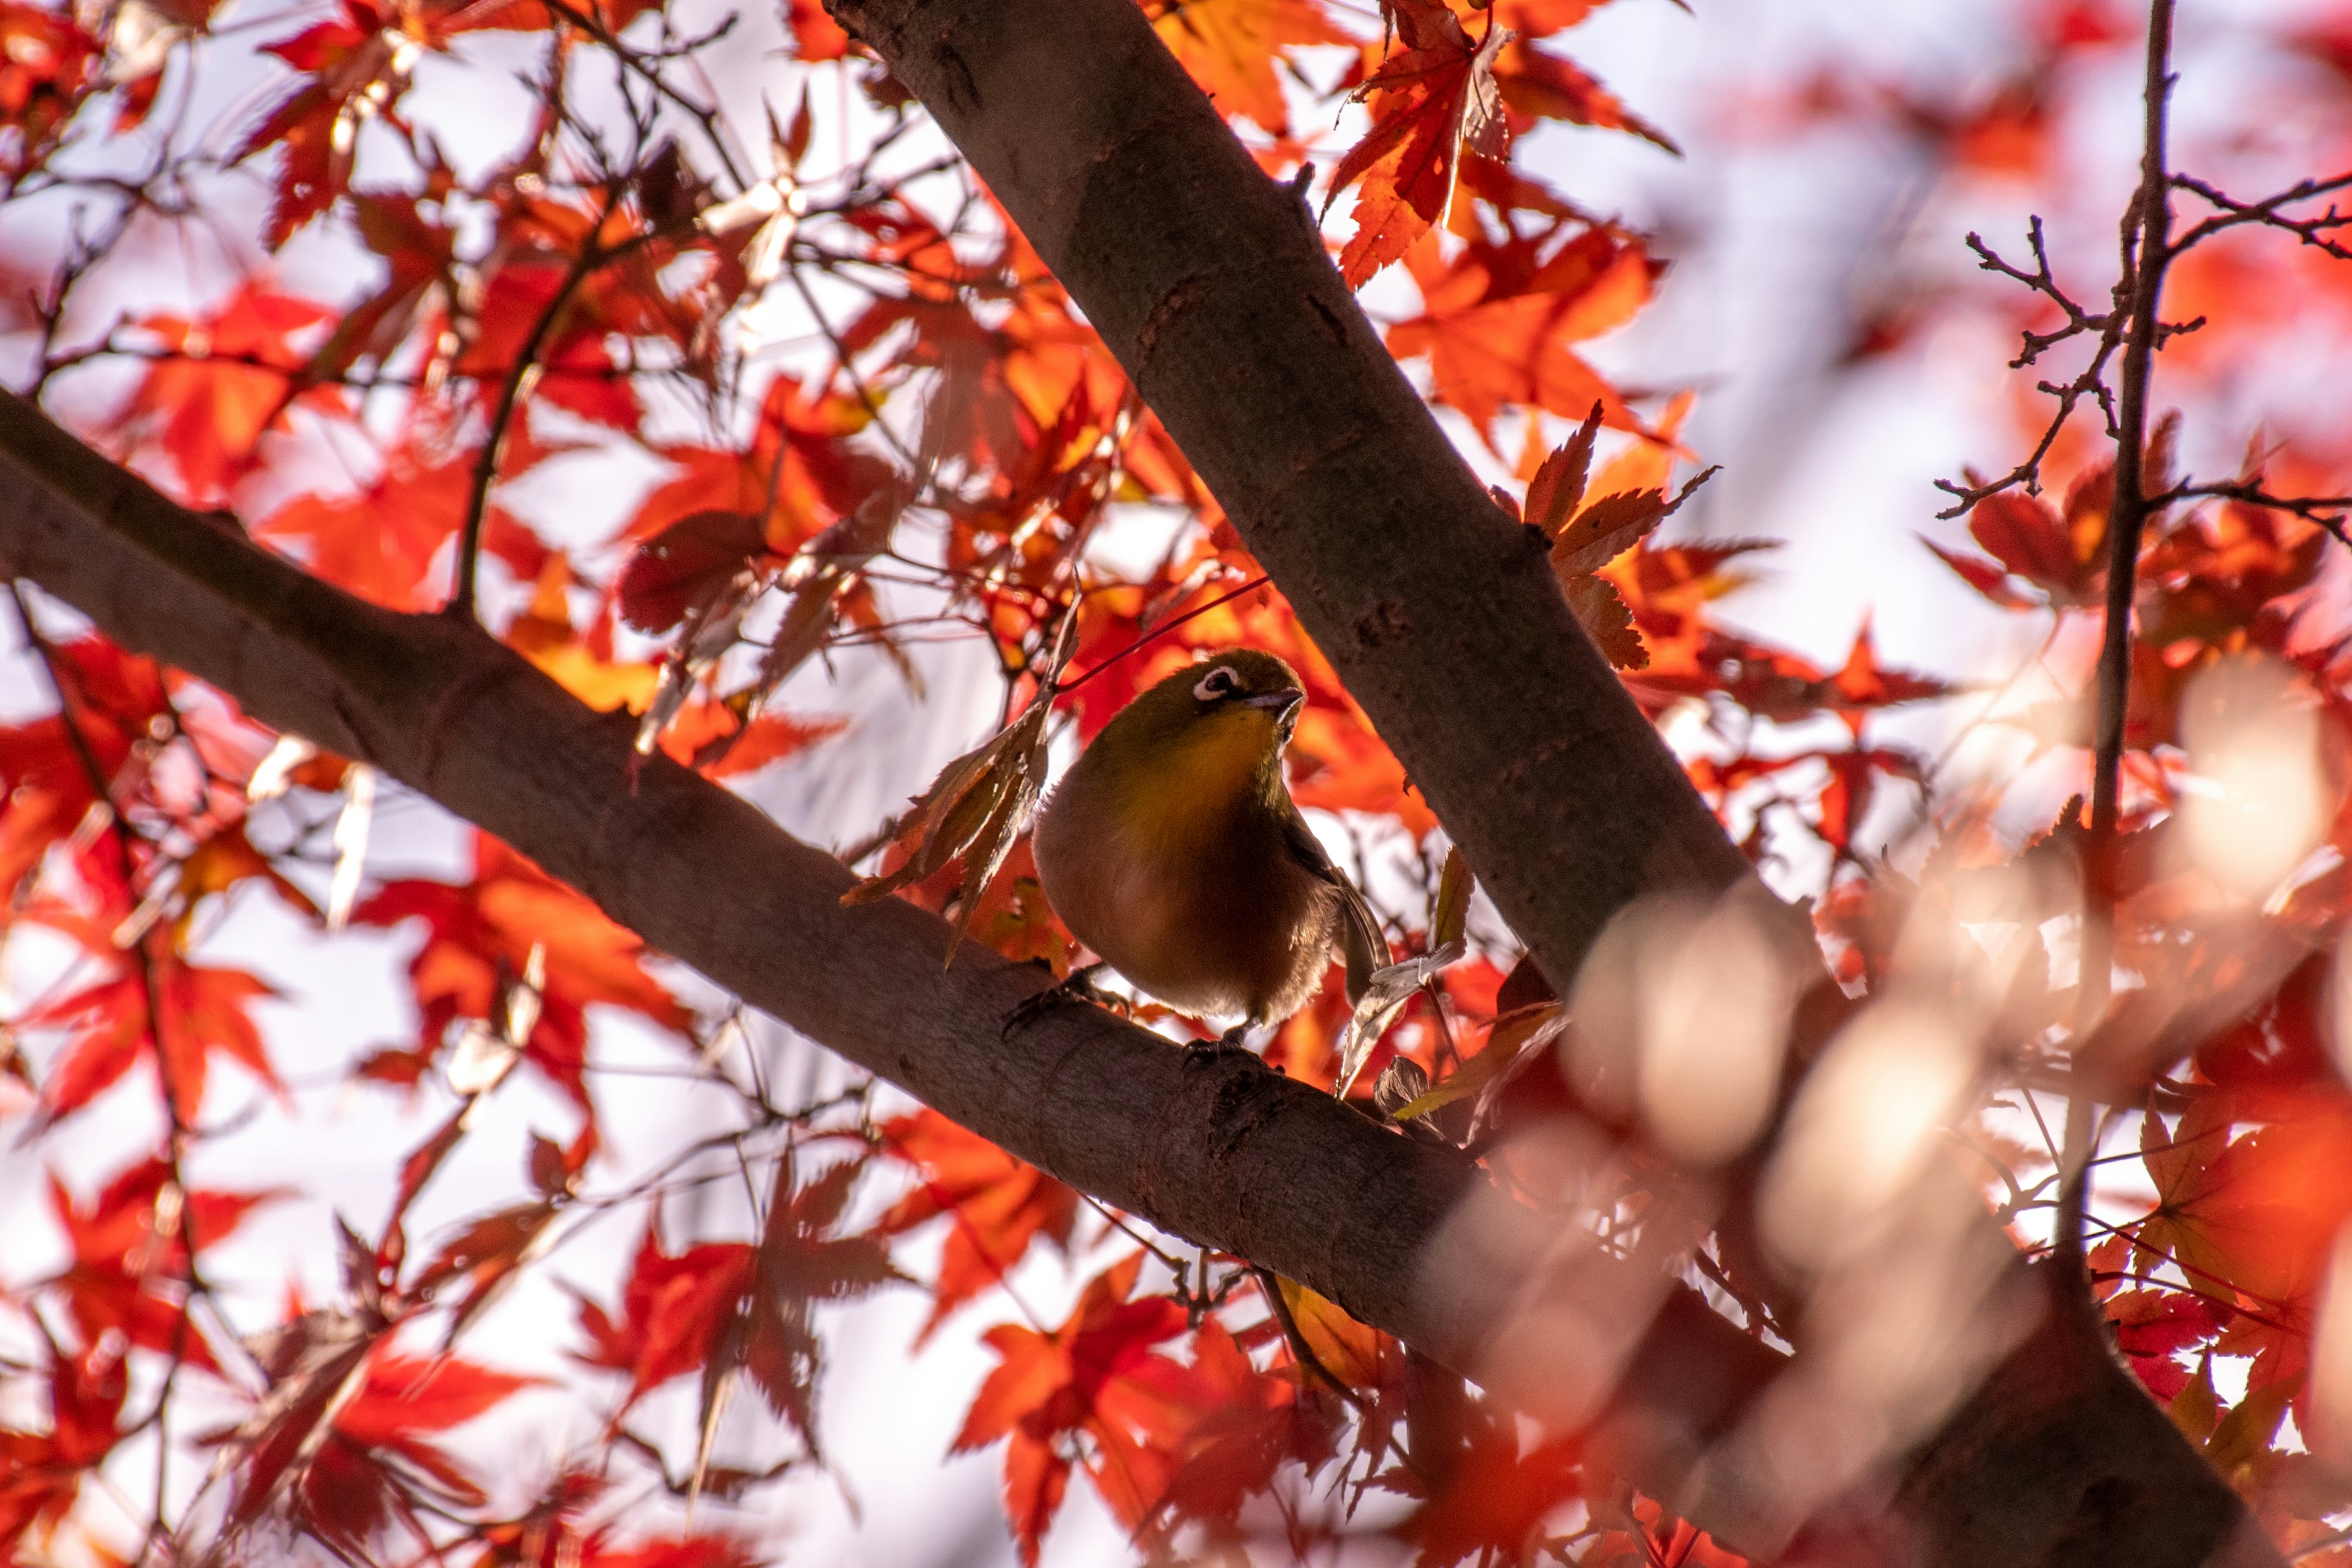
[
  {"x": 2145, "y": 252},
  {"x": 2328, "y": 511},
  {"x": 2233, "y": 213},
  {"x": 519, "y": 379},
  {"x": 1161, "y": 630},
  {"x": 2042, "y": 283}
]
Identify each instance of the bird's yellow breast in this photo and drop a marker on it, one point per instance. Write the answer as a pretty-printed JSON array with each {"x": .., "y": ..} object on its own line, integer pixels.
[
  {"x": 1172, "y": 866},
  {"x": 1190, "y": 791}
]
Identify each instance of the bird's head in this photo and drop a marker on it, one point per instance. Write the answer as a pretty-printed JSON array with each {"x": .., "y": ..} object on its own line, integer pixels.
[{"x": 1238, "y": 700}]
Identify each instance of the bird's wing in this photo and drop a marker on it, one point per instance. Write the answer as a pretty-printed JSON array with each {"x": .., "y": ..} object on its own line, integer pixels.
[{"x": 1359, "y": 931}]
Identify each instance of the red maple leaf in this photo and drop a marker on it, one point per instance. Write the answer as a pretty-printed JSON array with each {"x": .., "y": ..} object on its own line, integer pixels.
[
  {"x": 222, "y": 378},
  {"x": 1048, "y": 1385},
  {"x": 815, "y": 36},
  {"x": 197, "y": 1012},
  {"x": 130, "y": 1257},
  {"x": 1496, "y": 1499},
  {"x": 686, "y": 566},
  {"x": 353, "y": 64},
  {"x": 2062, "y": 555},
  {"x": 371, "y": 1463},
  {"x": 999, "y": 1205},
  {"x": 384, "y": 541},
  {"x": 672, "y": 1307},
  {"x": 1864, "y": 685},
  {"x": 823, "y": 476},
  {"x": 41, "y": 1471},
  {"x": 576, "y": 370},
  {"x": 797, "y": 1264},
  {"x": 2152, "y": 1327},
  {"x": 115, "y": 698},
  {"x": 1206, "y": 1437},
  {"x": 47, "y": 64},
  {"x": 1536, "y": 85},
  {"x": 480, "y": 936}
]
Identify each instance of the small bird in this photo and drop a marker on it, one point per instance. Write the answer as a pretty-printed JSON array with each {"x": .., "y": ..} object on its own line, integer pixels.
[{"x": 1172, "y": 849}]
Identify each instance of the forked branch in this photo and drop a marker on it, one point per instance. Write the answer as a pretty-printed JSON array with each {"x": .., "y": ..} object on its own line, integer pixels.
[{"x": 2322, "y": 231}]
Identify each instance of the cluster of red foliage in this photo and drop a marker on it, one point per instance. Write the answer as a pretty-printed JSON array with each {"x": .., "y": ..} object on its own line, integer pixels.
[{"x": 942, "y": 466}]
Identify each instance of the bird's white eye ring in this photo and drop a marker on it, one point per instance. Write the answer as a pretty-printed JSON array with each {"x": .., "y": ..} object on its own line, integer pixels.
[{"x": 1218, "y": 682}]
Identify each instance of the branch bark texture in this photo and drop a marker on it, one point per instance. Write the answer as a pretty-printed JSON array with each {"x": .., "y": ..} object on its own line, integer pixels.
[
  {"x": 1226, "y": 1155},
  {"x": 1211, "y": 284},
  {"x": 1213, "y": 287}
]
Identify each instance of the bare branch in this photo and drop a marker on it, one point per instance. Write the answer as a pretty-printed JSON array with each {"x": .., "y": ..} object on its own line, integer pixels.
[
  {"x": 2322, "y": 232},
  {"x": 2088, "y": 383},
  {"x": 2043, "y": 283},
  {"x": 2328, "y": 512}
]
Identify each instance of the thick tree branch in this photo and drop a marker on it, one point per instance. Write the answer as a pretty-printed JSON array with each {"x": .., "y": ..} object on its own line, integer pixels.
[
  {"x": 1228, "y": 1154},
  {"x": 1211, "y": 284},
  {"x": 1213, "y": 287},
  {"x": 1225, "y": 1155}
]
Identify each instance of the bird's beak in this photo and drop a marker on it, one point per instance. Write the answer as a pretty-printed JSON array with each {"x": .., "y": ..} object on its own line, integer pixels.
[{"x": 1284, "y": 702}]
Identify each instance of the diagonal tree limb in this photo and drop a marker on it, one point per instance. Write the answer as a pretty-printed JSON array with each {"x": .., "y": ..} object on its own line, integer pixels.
[
  {"x": 1211, "y": 284},
  {"x": 1213, "y": 287},
  {"x": 1227, "y": 1155}
]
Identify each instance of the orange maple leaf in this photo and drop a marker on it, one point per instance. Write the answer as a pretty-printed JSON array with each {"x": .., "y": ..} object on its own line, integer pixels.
[
  {"x": 1230, "y": 46},
  {"x": 1496, "y": 323},
  {"x": 1435, "y": 103}
]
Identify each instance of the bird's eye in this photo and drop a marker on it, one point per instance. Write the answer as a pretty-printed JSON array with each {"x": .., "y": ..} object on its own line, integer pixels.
[{"x": 1218, "y": 682}]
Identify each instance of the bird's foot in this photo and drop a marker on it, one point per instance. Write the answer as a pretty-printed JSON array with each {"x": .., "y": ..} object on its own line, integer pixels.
[
  {"x": 1233, "y": 1042},
  {"x": 1079, "y": 987}
]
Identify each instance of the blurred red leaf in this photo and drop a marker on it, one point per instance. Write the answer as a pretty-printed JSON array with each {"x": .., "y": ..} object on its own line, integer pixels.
[
  {"x": 796, "y": 1265},
  {"x": 47, "y": 63},
  {"x": 1497, "y": 1497},
  {"x": 2152, "y": 1327},
  {"x": 130, "y": 1263},
  {"x": 201, "y": 1011},
  {"x": 384, "y": 542},
  {"x": 222, "y": 377},
  {"x": 41, "y": 1472},
  {"x": 815, "y": 36},
  {"x": 375, "y": 1465},
  {"x": 672, "y": 1307},
  {"x": 1537, "y": 85},
  {"x": 684, "y": 565}
]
